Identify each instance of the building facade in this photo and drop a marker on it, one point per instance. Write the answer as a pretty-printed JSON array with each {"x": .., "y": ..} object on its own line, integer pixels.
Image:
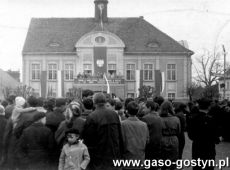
[{"x": 63, "y": 53}]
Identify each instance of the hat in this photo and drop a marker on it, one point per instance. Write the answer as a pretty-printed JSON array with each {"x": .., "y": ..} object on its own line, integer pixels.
[
  {"x": 20, "y": 101},
  {"x": 38, "y": 116},
  {"x": 72, "y": 130},
  {"x": 2, "y": 110}
]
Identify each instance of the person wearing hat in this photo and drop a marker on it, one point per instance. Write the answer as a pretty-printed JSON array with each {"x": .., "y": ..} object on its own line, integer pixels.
[
  {"x": 36, "y": 144},
  {"x": 74, "y": 153}
]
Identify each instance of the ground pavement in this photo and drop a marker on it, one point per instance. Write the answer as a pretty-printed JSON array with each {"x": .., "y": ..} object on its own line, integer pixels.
[{"x": 222, "y": 150}]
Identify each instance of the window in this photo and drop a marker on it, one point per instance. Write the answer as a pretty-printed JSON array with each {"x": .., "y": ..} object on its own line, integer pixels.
[
  {"x": 171, "y": 96},
  {"x": 52, "y": 71},
  {"x": 148, "y": 72},
  {"x": 130, "y": 72},
  {"x": 68, "y": 71},
  {"x": 130, "y": 95},
  {"x": 87, "y": 69},
  {"x": 36, "y": 71},
  {"x": 112, "y": 69},
  {"x": 171, "y": 72}
]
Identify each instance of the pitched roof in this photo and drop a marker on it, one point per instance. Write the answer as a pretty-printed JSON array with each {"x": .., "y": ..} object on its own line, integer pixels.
[{"x": 62, "y": 33}]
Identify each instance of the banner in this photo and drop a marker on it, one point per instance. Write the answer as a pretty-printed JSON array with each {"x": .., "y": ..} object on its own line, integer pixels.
[
  {"x": 43, "y": 81},
  {"x": 163, "y": 82},
  {"x": 158, "y": 82},
  {"x": 100, "y": 60}
]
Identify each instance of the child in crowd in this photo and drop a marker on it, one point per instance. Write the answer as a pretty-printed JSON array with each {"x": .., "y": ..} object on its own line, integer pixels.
[
  {"x": 74, "y": 154},
  {"x": 19, "y": 109}
]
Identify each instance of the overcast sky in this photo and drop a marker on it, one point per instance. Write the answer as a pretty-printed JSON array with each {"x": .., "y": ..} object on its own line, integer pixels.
[{"x": 203, "y": 23}]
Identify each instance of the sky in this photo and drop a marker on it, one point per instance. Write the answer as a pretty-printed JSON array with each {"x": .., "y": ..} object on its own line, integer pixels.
[{"x": 204, "y": 24}]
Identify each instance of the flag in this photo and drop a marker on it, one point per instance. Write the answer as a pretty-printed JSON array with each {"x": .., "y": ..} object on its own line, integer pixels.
[
  {"x": 163, "y": 82},
  {"x": 139, "y": 81},
  {"x": 43, "y": 82},
  {"x": 107, "y": 83}
]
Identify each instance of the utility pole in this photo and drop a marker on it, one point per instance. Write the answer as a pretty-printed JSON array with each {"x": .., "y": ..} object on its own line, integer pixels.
[{"x": 224, "y": 71}]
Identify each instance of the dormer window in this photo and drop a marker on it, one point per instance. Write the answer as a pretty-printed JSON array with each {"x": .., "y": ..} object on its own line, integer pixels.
[
  {"x": 153, "y": 44},
  {"x": 54, "y": 44}
]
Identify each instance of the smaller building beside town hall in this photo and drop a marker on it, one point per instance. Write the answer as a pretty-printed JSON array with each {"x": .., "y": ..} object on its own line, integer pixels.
[{"x": 64, "y": 53}]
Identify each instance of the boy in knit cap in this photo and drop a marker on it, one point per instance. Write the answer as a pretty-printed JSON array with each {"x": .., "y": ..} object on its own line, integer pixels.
[
  {"x": 19, "y": 109},
  {"x": 74, "y": 154}
]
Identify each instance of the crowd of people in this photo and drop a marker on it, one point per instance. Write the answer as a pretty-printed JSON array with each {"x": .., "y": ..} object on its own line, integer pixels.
[{"x": 89, "y": 133}]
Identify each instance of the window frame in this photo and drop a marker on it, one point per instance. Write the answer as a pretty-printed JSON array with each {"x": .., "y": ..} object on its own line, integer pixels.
[
  {"x": 171, "y": 70},
  {"x": 171, "y": 98},
  {"x": 89, "y": 64},
  {"x": 134, "y": 77},
  {"x": 68, "y": 71},
  {"x": 53, "y": 72},
  {"x": 148, "y": 70},
  {"x": 37, "y": 72}
]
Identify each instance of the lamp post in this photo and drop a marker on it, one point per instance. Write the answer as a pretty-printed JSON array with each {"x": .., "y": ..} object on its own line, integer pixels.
[{"x": 224, "y": 71}]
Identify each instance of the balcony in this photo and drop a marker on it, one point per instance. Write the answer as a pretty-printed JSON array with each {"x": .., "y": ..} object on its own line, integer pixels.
[{"x": 97, "y": 80}]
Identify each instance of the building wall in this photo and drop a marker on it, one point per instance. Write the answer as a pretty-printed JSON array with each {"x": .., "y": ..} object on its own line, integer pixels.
[{"x": 179, "y": 86}]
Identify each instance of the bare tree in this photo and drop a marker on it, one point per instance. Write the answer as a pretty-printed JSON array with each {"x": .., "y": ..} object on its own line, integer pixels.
[{"x": 208, "y": 68}]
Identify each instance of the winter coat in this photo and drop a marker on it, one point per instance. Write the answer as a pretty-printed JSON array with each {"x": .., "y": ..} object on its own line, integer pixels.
[
  {"x": 203, "y": 133},
  {"x": 154, "y": 124},
  {"x": 102, "y": 135},
  {"x": 169, "y": 143},
  {"x": 53, "y": 119},
  {"x": 3, "y": 122},
  {"x": 74, "y": 157},
  {"x": 76, "y": 123},
  {"x": 8, "y": 111},
  {"x": 135, "y": 135},
  {"x": 36, "y": 146},
  {"x": 181, "y": 136}
]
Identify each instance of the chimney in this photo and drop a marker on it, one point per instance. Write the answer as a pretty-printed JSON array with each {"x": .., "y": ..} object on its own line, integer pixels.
[{"x": 101, "y": 10}]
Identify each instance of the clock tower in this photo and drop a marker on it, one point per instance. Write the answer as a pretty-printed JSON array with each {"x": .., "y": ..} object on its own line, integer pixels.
[{"x": 101, "y": 10}]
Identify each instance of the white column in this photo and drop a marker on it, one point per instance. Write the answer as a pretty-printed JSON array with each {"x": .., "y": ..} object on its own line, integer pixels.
[{"x": 59, "y": 85}]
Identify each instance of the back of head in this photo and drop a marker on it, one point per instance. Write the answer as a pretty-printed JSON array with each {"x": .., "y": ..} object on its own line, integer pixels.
[
  {"x": 152, "y": 105},
  {"x": 204, "y": 103},
  {"x": 99, "y": 99},
  {"x": 60, "y": 102},
  {"x": 87, "y": 93},
  {"x": 159, "y": 100},
  {"x": 132, "y": 108},
  {"x": 49, "y": 104},
  {"x": 166, "y": 108},
  {"x": 127, "y": 101},
  {"x": 88, "y": 103},
  {"x": 11, "y": 99},
  {"x": 4, "y": 103},
  {"x": 32, "y": 101},
  {"x": 118, "y": 105}
]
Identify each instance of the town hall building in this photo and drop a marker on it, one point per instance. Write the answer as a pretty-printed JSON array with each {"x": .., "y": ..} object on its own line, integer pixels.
[{"x": 64, "y": 53}]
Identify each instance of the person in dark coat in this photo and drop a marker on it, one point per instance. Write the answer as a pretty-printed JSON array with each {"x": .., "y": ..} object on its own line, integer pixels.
[
  {"x": 179, "y": 112},
  {"x": 135, "y": 135},
  {"x": 202, "y": 130},
  {"x": 3, "y": 122},
  {"x": 154, "y": 123},
  {"x": 102, "y": 135},
  {"x": 10, "y": 107},
  {"x": 53, "y": 119},
  {"x": 88, "y": 107},
  {"x": 36, "y": 144}
]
